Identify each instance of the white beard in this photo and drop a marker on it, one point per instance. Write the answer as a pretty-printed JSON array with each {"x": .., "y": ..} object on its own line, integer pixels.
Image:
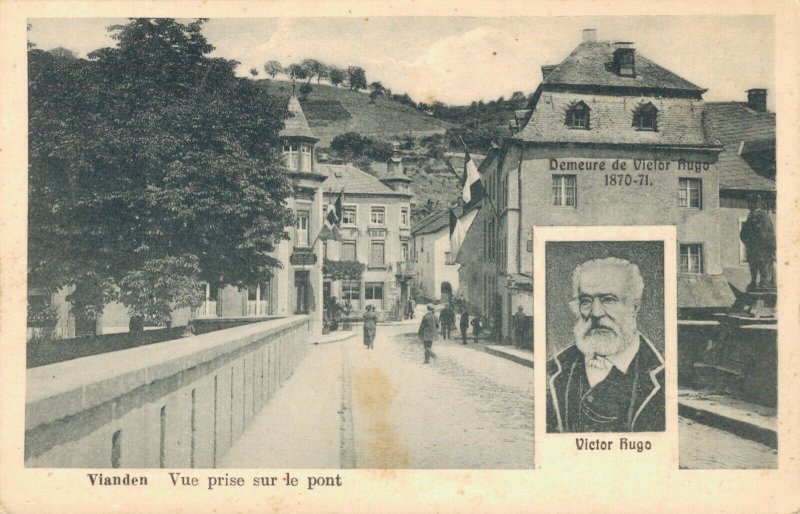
[{"x": 611, "y": 339}]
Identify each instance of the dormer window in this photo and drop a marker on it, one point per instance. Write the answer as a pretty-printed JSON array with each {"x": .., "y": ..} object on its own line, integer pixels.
[
  {"x": 578, "y": 116},
  {"x": 645, "y": 117}
]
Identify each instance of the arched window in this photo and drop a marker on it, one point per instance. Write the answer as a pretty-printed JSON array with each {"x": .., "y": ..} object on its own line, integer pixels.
[
  {"x": 645, "y": 117},
  {"x": 578, "y": 116}
]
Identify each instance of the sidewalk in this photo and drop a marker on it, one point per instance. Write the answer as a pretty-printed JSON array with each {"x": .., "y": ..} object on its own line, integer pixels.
[
  {"x": 744, "y": 419},
  {"x": 300, "y": 426},
  {"x": 511, "y": 353}
]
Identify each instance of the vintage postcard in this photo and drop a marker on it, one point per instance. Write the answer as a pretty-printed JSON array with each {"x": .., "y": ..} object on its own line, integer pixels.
[{"x": 411, "y": 257}]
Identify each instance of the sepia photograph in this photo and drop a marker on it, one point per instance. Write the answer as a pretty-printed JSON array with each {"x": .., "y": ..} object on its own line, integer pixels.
[
  {"x": 605, "y": 336},
  {"x": 305, "y": 243}
]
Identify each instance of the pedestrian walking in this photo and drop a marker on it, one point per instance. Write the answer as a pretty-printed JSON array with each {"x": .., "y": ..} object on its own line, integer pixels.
[
  {"x": 446, "y": 318},
  {"x": 428, "y": 330},
  {"x": 520, "y": 322},
  {"x": 370, "y": 326},
  {"x": 477, "y": 327},
  {"x": 463, "y": 324}
]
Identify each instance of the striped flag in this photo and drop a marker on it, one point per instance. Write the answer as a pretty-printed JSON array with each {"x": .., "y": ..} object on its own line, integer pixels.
[
  {"x": 333, "y": 218},
  {"x": 457, "y": 234},
  {"x": 472, "y": 190}
]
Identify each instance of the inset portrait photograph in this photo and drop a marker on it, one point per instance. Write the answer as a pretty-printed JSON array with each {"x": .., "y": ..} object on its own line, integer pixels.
[{"x": 605, "y": 336}]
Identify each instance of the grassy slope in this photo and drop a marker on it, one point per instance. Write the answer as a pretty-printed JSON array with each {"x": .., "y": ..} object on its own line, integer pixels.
[{"x": 383, "y": 119}]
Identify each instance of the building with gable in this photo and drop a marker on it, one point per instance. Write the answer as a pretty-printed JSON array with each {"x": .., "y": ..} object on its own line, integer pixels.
[
  {"x": 436, "y": 267},
  {"x": 376, "y": 231},
  {"x": 609, "y": 138}
]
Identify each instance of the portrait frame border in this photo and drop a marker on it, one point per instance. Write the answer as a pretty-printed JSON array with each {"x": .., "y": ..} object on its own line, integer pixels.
[{"x": 548, "y": 445}]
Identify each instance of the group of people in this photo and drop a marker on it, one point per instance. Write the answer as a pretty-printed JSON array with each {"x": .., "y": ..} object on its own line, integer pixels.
[{"x": 447, "y": 321}]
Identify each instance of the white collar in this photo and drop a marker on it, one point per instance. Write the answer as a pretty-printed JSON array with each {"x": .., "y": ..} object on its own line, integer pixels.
[{"x": 621, "y": 361}]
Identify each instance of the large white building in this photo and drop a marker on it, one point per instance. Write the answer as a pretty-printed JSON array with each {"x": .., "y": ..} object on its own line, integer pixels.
[{"x": 435, "y": 265}]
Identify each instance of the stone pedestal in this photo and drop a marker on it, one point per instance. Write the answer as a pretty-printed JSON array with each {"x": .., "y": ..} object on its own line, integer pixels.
[{"x": 756, "y": 306}]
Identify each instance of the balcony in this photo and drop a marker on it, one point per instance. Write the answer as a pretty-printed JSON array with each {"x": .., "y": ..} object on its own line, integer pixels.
[{"x": 405, "y": 269}]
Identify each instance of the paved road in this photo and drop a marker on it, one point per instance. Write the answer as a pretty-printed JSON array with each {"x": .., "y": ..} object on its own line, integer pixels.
[
  {"x": 467, "y": 409},
  {"x": 703, "y": 447},
  {"x": 348, "y": 406}
]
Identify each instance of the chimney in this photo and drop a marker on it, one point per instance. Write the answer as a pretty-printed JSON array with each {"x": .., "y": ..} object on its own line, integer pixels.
[
  {"x": 589, "y": 35},
  {"x": 625, "y": 59},
  {"x": 757, "y": 99}
]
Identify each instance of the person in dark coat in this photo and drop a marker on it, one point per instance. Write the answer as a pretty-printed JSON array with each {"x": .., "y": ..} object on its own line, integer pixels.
[
  {"x": 446, "y": 318},
  {"x": 758, "y": 236},
  {"x": 520, "y": 323},
  {"x": 463, "y": 324},
  {"x": 370, "y": 326},
  {"x": 428, "y": 330}
]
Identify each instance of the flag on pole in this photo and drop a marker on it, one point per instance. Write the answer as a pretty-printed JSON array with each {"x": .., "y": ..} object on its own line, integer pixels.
[
  {"x": 333, "y": 218},
  {"x": 472, "y": 190},
  {"x": 457, "y": 234}
]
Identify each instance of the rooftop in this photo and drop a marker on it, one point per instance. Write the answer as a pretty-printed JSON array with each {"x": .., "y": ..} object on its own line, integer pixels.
[
  {"x": 352, "y": 180},
  {"x": 590, "y": 64},
  {"x": 739, "y": 128},
  {"x": 296, "y": 124}
]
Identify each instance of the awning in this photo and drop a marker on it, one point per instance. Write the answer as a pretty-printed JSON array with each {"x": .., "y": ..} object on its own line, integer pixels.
[{"x": 704, "y": 292}]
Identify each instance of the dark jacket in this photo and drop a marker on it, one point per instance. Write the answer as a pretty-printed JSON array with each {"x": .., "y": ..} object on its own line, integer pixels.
[
  {"x": 644, "y": 399},
  {"x": 370, "y": 322},
  {"x": 446, "y": 317},
  {"x": 429, "y": 327},
  {"x": 464, "y": 322}
]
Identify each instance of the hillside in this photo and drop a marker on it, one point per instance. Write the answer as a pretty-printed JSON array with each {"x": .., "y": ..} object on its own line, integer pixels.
[{"x": 332, "y": 111}]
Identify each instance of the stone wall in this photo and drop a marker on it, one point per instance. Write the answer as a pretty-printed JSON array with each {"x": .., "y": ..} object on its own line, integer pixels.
[{"x": 179, "y": 404}]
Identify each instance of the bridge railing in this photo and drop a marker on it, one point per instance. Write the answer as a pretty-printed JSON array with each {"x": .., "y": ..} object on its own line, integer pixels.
[{"x": 177, "y": 404}]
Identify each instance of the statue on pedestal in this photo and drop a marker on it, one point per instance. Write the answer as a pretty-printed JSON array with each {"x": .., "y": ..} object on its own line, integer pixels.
[{"x": 758, "y": 236}]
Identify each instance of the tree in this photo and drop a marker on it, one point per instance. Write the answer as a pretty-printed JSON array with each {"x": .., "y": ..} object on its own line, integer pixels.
[
  {"x": 352, "y": 145},
  {"x": 272, "y": 68},
  {"x": 315, "y": 69},
  {"x": 152, "y": 168},
  {"x": 305, "y": 90},
  {"x": 337, "y": 76},
  {"x": 356, "y": 78},
  {"x": 254, "y": 72},
  {"x": 297, "y": 72},
  {"x": 64, "y": 53}
]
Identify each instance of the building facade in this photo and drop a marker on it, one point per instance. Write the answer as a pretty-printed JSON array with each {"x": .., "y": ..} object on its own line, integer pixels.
[
  {"x": 376, "y": 231},
  {"x": 437, "y": 272},
  {"x": 609, "y": 138}
]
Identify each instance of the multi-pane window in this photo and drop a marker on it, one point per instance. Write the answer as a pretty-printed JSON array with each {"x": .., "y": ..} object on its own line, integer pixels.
[
  {"x": 373, "y": 291},
  {"x": 691, "y": 258},
  {"x": 291, "y": 155},
  {"x": 645, "y": 117},
  {"x": 376, "y": 254},
  {"x": 448, "y": 258},
  {"x": 377, "y": 215},
  {"x": 348, "y": 215},
  {"x": 690, "y": 192},
  {"x": 351, "y": 290},
  {"x": 348, "y": 252},
  {"x": 403, "y": 216},
  {"x": 578, "y": 116},
  {"x": 404, "y": 251},
  {"x": 565, "y": 192},
  {"x": 302, "y": 228},
  {"x": 305, "y": 158}
]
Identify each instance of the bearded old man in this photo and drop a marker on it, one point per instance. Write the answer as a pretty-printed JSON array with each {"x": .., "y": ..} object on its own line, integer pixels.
[{"x": 612, "y": 378}]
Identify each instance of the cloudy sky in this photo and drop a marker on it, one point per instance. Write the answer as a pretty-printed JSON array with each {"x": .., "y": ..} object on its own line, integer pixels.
[{"x": 461, "y": 59}]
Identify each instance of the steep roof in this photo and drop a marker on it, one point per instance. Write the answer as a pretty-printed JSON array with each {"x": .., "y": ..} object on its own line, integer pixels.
[
  {"x": 438, "y": 220},
  {"x": 352, "y": 180},
  {"x": 733, "y": 123},
  {"x": 679, "y": 120},
  {"x": 590, "y": 65},
  {"x": 296, "y": 124}
]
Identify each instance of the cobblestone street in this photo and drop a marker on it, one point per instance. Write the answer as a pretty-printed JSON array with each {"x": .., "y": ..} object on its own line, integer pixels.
[
  {"x": 467, "y": 409},
  {"x": 703, "y": 447}
]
